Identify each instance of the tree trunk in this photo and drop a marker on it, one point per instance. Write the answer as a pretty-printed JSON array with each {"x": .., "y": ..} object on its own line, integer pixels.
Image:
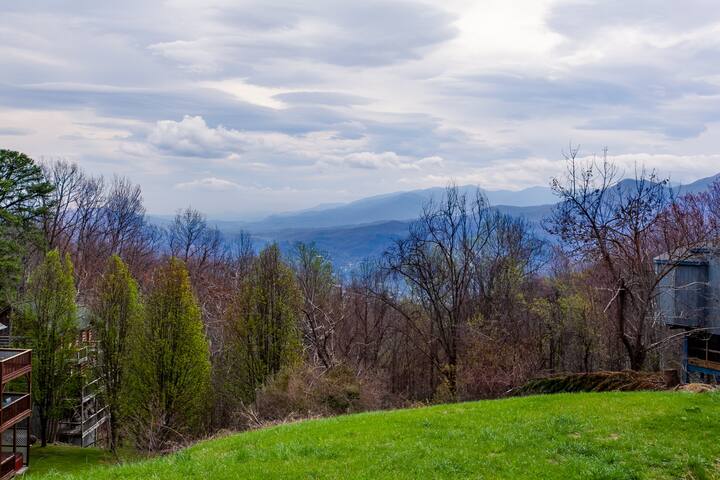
[
  {"x": 114, "y": 434},
  {"x": 637, "y": 360},
  {"x": 43, "y": 430},
  {"x": 451, "y": 377},
  {"x": 635, "y": 351}
]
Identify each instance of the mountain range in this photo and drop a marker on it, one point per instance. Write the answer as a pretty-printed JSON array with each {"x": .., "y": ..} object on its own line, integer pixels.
[
  {"x": 392, "y": 206},
  {"x": 350, "y": 232}
]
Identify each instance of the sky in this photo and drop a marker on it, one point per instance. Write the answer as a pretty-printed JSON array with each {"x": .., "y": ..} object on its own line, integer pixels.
[{"x": 241, "y": 108}]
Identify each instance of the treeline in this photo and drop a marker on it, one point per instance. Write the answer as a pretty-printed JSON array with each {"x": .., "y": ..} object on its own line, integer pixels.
[{"x": 198, "y": 332}]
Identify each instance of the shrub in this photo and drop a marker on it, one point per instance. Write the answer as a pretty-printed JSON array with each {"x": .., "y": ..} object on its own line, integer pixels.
[{"x": 302, "y": 391}]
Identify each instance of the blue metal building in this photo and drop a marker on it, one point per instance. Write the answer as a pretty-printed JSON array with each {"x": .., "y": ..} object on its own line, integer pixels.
[{"x": 689, "y": 299}]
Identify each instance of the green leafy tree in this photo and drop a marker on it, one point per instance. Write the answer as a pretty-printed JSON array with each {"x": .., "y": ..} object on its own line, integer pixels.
[
  {"x": 170, "y": 365},
  {"x": 24, "y": 197},
  {"x": 116, "y": 318},
  {"x": 264, "y": 323},
  {"x": 49, "y": 321}
]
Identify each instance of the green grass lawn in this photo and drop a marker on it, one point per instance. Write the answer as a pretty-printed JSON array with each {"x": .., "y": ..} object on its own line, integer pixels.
[
  {"x": 67, "y": 459},
  {"x": 654, "y": 435}
]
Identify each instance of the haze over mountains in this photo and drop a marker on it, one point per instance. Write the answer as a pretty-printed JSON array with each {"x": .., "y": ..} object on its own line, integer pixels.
[
  {"x": 353, "y": 231},
  {"x": 393, "y": 206}
]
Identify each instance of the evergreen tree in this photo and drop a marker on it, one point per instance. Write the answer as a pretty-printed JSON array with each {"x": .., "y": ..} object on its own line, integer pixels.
[
  {"x": 115, "y": 318},
  {"x": 24, "y": 196},
  {"x": 263, "y": 320},
  {"x": 49, "y": 321},
  {"x": 170, "y": 365}
]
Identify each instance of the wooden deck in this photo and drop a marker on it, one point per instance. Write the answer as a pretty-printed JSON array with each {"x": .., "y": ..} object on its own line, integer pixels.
[
  {"x": 697, "y": 362},
  {"x": 14, "y": 363},
  {"x": 7, "y": 465},
  {"x": 16, "y": 410},
  {"x": 15, "y": 407}
]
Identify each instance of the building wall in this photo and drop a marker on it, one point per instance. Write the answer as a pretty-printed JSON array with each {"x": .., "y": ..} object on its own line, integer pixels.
[{"x": 689, "y": 296}]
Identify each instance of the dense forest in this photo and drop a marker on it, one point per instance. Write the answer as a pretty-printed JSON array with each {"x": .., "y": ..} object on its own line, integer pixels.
[{"x": 196, "y": 332}]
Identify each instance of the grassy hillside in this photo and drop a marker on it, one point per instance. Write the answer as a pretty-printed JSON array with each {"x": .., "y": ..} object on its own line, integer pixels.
[
  {"x": 66, "y": 458},
  {"x": 589, "y": 436}
]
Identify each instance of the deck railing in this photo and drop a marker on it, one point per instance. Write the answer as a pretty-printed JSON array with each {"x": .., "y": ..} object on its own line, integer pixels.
[
  {"x": 7, "y": 465},
  {"x": 87, "y": 425},
  {"x": 85, "y": 353},
  {"x": 14, "y": 361},
  {"x": 19, "y": 404},
  {"x": 93, "y": 421}
]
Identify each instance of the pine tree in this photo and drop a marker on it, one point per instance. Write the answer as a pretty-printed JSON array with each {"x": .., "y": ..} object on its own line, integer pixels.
[
  {"x": 24, "y": 197},
  {"x": 263, "y": 323},
  {"x": 170, "y": 365},
  {"x": 115, "y": 318},
  {"x": 49, "y": 321}
]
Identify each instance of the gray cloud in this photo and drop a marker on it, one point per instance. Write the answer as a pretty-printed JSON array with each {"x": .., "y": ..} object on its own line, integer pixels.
[
  {"x": 319, "y": 101},
  {"x": 673, "y": 128},
  {"x": 370, "y": 33},
  {"x": 9, "y": 131},
  {"x": 582, "y": 18},
  {"x": 322, "y": 98}
]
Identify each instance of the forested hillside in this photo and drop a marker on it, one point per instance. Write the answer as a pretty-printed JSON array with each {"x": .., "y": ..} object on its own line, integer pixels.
[{"x": 198, "y": 331}]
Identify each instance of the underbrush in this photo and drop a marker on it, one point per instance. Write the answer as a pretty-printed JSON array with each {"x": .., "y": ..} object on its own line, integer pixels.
[
  {"x": 624, "y": 381},
  {"x": 304, "y": 391}
]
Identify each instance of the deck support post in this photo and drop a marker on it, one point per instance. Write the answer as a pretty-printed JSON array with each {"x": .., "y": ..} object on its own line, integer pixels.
[{"x": 686, "y": 372}]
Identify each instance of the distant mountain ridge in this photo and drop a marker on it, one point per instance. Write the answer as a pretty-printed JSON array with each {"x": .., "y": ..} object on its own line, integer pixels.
[
  {"x": 698, "y": 185},
  {"x": 351, "y": 232},
  {"x": 405, "y": 205},
  {"x": 348, "y": 245}
]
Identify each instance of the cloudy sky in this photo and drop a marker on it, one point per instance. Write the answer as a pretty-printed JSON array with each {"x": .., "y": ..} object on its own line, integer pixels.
[{"x": 240, "y": 107}]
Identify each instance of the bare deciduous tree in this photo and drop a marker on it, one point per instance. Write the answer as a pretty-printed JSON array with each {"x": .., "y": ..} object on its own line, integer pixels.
[
  {"x": 322, "y": 302},
  {"x": 618, "y": 227},
  {"x": 191, "y": 239},
  {"x": 450, "y": 269}
]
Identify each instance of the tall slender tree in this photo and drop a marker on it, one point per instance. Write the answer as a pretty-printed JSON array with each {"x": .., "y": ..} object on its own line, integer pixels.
[
  {"x": 49, "y": 320},
  {"x": 116, "y": 318},
  {"x": 263, "y": 319},
  {"x": 170, "y": 366},
  {"x": 321, "y": 308}
]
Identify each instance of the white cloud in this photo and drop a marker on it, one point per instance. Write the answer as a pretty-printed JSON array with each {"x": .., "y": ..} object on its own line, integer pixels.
[
  {"x": 191, "y": 136},
  {"x": 512, "y": 174},
  {"x": 263, "y": 96},
  {"x": 389, "y": 160},
  {"x": 432, "y": 161},
  {"x": 209, "y": 183},
  {"x": 373, "y": 160}
]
